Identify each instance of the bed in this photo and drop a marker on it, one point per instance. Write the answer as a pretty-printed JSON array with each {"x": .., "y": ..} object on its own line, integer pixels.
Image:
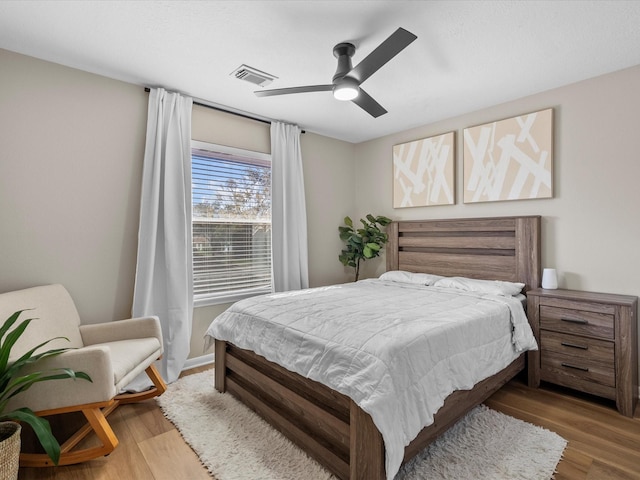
[{"x": 329, "y": 425}]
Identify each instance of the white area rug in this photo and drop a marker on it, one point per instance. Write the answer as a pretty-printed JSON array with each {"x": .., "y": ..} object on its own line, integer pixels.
[{"x": 236, "y": 444}]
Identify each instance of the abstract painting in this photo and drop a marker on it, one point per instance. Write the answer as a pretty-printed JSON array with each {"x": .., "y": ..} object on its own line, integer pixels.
[
  {"x": 423, "y": 172},
  {"x": 509, "y": 159}
]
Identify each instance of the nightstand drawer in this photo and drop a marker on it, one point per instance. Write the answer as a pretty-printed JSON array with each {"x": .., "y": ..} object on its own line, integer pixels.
[
  {"x": 598, "y": 351},
  {"x": 577, "y": 322},
  {"x": 579, "y": 373}
]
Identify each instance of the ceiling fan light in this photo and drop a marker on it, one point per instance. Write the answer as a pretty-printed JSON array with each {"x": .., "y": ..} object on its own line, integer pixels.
[{"x": 346, "y": 90}]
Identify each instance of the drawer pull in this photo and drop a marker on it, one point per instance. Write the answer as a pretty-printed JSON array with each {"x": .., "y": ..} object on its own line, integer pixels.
[
  {"x": 573, "y": 345},
  {"x": 575, "y": 320},
  {"x": 568, "y": 365}
]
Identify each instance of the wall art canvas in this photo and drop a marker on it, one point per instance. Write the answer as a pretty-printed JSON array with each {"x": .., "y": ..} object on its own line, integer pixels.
[
  {"x": 509, "y": 159},
  {"x": 423, "y": 172}
]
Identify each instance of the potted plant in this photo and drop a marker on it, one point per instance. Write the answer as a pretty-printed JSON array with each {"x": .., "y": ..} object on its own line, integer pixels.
[
  {"x": 362, "y": 243},
  {"x": 13, "y": 381}
]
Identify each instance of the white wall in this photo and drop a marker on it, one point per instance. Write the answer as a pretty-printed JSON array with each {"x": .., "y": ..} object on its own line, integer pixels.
[
  {"x": 590, "y": 229},
  {"x": 330, "y": 190},
  {"x": 71, "y": 150}
]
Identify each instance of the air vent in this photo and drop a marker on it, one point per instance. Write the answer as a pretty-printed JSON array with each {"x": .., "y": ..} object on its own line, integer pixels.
[{"x": 253, "y": 75}]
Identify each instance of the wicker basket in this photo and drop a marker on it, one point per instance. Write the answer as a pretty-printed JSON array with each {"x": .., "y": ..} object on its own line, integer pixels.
[{"x": 9, "y": 450}]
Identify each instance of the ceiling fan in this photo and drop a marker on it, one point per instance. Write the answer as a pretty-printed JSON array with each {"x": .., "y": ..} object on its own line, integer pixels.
[{"x": 347, "y": 79}]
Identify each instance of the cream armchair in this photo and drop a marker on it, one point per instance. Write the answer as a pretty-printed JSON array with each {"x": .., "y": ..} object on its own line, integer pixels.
[{"x": 111, "y": 353}]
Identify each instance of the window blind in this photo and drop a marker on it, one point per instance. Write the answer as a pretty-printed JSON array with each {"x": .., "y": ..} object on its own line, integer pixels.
[{"x": 231, "y": 197}]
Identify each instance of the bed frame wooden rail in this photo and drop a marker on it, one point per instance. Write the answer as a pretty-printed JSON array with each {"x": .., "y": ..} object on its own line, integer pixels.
[{"x": 329, "y": 426}]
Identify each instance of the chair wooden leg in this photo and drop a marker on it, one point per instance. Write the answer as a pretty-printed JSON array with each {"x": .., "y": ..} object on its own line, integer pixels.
[
  {"x": 86, "y": 429},
  {"x": 159, "y": 388},
  {"x": 103, "y": 431},
  {"x": 97, "y": 423}
]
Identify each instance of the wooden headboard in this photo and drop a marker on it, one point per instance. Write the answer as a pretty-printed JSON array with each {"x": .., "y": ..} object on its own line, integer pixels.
[{"x": 501, "y": 248}]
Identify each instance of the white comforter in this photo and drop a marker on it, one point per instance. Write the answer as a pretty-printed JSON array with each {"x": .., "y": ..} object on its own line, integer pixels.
[{"x": 398, "y": 350}]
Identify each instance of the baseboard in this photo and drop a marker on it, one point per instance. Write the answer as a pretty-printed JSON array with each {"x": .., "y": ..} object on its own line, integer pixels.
[{"x": 198, "y": 361}]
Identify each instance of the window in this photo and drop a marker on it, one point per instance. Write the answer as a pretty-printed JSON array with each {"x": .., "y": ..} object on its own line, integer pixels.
[{"x": 231, "y": 195}]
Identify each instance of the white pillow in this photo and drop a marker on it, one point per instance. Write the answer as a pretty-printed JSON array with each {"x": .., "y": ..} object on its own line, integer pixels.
[
  {"x": 410, "y": 277},
  {"x": 493, "y": 287}
]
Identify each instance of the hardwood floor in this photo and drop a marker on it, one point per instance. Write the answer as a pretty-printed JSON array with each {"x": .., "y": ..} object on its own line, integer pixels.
[{"x": 603, "y": 445}]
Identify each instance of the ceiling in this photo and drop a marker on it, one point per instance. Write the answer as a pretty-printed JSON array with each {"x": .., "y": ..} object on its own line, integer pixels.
[{"x": 468, "y": 55}]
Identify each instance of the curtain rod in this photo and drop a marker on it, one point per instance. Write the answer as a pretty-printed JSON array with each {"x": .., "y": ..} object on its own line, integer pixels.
[{"x": 220, "y": 109}]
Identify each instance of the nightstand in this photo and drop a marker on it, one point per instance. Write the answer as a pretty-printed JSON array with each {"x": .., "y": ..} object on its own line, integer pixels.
[{"x": 587, "y": 341}]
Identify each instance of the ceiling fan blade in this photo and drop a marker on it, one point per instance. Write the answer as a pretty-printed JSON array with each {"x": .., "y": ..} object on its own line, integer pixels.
[
  {"x": 287, "y": 91},
  {"x": 368, "y": 104},
  {"x": 388, "y": 49}
]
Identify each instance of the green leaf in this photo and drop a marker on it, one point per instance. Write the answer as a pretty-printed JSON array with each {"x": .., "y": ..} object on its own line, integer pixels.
[
  {"x": 42, "y": 430},
  {"x": 356, "y": 239},
  {"x": 348, "y": 221},
  {"x": 9, "y": 323},
  {"x": 345, "y": 235},
  {"x": 9, "y": 341},
  {"x": 25, "y": 382},
  {"x": 28, "y": 358}
]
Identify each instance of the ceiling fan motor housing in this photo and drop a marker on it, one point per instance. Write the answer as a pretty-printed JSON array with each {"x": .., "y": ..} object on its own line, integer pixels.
[{"x": 343, "y": 52}]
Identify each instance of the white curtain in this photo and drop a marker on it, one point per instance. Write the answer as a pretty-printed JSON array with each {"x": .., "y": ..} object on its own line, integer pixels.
[
  {"x": 288, "y": 214},
  {"x": 164, "y": 285}
]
